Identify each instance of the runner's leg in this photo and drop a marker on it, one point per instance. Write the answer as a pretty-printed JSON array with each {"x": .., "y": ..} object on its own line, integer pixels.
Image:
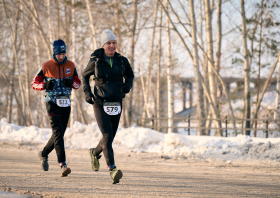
[
  {"x": 105, "y": 144},
  {"x": 56, "y": 141}
]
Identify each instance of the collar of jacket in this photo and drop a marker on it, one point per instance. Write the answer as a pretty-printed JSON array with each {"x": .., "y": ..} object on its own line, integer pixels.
[
  {"x": 99, "y": 53},
  {"x": 56, "y": 61}
]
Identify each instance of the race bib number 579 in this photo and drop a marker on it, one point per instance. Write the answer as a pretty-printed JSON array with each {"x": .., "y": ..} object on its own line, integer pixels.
[{"x": 112, "y": 108}]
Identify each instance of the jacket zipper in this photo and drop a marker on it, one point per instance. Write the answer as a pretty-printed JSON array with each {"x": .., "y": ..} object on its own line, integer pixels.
[
  {"x": 60, "y": 79},
  {"x": 63, "y": 73}
]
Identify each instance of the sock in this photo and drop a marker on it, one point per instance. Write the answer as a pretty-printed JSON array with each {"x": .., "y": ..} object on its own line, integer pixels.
[
  {"x": 62, "y": 164},
  {"x": 111, "y": 167}
]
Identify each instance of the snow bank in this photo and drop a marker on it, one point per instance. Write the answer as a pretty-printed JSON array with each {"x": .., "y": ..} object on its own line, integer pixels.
[{"x": 137, "y": 139}]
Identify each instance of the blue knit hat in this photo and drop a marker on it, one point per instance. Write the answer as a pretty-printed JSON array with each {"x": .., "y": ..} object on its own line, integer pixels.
[{"x": 59, "y": 47}]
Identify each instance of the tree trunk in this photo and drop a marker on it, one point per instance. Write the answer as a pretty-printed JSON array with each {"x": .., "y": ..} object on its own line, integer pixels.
[
  {"x": 199, "y": 108},
  {"x": 219, "y": 36},
  {"x": 43, "y": 114},
  {"x": 168, "y": 73},
  {"x": 264, "y": 88},
  {"x": 211, "y": 65},
  {"x": 158, "y": 102},
  {"x": 34, "y": 14},
  {"x": 144, "y": 91},
  {"x": 73, "y": 115},
  {"x": 20, "y": 115},
  {"x": 118, "y": 29},
  {"x": 277, "y": 98},
  {"x": 131, "y": 60},
  {"x": 10, "y": 101},
  {"x": 148, "y": 80},
  {"x": 12, "y": 73},
  {"x": 27, "y": 83},
  {"x": 93, "y": 44},
  {"x": 207, "y": 112},
  {"x": 246, "y": 70},
  {"x": 17, "y": 63},
  {"x": 50, "y": 23},
  {"x": 259, "y": 71},
  {"x": 11, "y": 86},
  {"x": 212, "y": 80},
  {"x": 218, "y": 54}
]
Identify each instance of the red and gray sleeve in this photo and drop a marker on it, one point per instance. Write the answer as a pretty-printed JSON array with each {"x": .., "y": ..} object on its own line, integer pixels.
[
  {"x": 38, "y": 81},
  {"x": 76, "y": 80}
]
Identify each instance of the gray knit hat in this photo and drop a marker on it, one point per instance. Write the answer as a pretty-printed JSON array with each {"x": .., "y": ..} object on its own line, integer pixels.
[{"x": 107, "y": 35}]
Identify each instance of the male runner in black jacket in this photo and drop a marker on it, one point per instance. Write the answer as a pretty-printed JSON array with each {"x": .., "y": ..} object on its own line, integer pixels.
[{"x": 113, "y": 78}]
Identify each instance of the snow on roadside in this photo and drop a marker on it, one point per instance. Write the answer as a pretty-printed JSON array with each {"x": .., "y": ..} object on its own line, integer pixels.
[{"x": 137, "y": 139}]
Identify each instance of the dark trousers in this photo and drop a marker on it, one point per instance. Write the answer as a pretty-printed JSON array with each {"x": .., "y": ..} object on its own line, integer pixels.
[
  {"x": 108, "y": 125},
  {"x": 59, "y": 117}
]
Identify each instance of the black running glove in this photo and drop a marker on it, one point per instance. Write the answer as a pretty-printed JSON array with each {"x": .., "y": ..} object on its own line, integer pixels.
[
  {"x": 125, "y": 88},
  {"x": 67, "y": 82},
  {"x": 90, "y": 98},
  {"x": 49, "y": 85}
]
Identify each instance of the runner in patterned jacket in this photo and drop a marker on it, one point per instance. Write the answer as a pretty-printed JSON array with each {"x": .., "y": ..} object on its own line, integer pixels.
[
  {"x": 58, "y": 77},
  {"x": 52, "y": 70}
]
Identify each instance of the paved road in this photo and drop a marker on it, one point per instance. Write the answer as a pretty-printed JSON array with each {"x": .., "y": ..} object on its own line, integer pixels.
[{"x": 145, "y": 175}]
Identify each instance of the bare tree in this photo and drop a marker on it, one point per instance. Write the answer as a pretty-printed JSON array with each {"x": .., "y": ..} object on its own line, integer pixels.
[
  {"x": 118, "y": 23},
  {"x": 19, "y": 108},
  {"x": 50, "y": 30},
  {"x": 169, "y": 75},
  {"x": 246, "y": 70},
  {"x": 12, "y": 71},
  {"x": 43, "y": 114},
  {"x": 199, "y": 109},
  {"x": 277, "y": 98},
  {"x": 259, "y": 69},
  {"x": 148, "y": 81},
  {"x": 33, "y": 12},
  {"x": 17, "y": 62},
  {"x": 219, "y": 35},
  {"x": 211, "y": 76},
  {"x": 158, "y": 101},
  {"x": 27, "y": 84},
  {"x": 73, "y": 116},
  {"x": 93, "y": 44},
  {"x": 264, "y": 88},
  {"x": 132, "y": 32}
]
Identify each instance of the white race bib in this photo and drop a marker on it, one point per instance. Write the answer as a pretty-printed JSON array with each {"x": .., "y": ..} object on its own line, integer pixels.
[
  {"x": 112, "y": 108},
  {"x": 63, "y": 101}
]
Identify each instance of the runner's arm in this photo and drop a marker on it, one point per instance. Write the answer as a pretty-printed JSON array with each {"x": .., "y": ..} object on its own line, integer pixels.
[
  {"x": 76, "y": 80},
  {"x": 38, "y": 81},
  {"x": 88, "y": 71},
  {"x": 128, "y": 74}
]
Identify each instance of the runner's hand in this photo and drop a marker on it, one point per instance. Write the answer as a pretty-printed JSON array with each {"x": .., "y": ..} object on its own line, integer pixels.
[
  {"x": 125, "y": 88},
  {"x": 67, "y": 82},
  {"x": 49, "y": 85},
  {"x": 90, "y": 99}
]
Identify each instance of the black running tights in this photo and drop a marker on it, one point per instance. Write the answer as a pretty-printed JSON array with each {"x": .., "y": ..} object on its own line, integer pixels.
[{"x": 108, "y": 125}]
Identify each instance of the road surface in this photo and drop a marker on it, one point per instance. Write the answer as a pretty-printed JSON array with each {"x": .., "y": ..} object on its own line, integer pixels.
[{"x": 145, "y": 175}]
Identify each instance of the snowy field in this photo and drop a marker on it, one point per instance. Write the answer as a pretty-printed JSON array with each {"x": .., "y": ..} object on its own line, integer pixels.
[{"x": 137, "y": 139}]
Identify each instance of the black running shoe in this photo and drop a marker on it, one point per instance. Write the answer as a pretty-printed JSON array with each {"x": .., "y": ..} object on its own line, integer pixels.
[{"x": 44, "y": 164}]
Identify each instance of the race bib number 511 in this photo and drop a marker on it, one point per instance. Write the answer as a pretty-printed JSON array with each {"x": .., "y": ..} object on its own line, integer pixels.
[{"x": 112, "y": 108}]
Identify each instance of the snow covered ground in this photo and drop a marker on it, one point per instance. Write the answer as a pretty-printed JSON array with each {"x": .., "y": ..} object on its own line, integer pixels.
[{"x": 137, "y": 139}]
